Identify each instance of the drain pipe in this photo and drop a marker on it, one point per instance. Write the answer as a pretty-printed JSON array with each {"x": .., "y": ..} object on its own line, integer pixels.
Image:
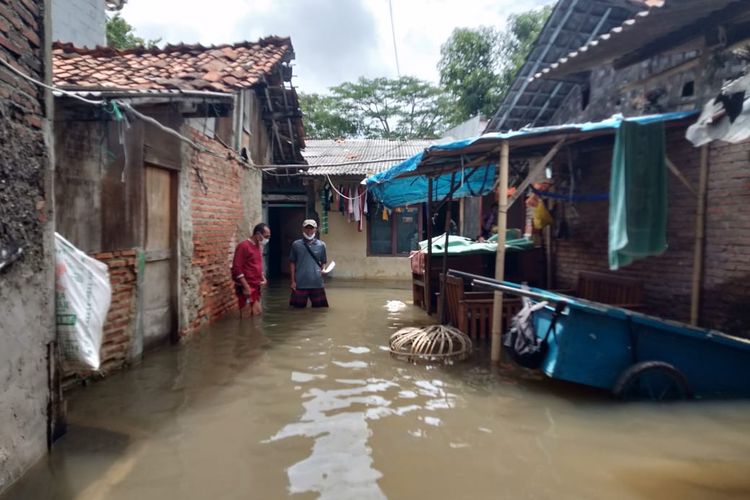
[{"x": 502, "y": 223}]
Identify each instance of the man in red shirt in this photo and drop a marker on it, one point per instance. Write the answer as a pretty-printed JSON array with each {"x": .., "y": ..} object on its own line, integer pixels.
[{"x": 247, "y": 269}]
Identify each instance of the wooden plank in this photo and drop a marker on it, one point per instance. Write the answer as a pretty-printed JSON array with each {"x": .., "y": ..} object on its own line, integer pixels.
[{"x": 158, "y": 209}]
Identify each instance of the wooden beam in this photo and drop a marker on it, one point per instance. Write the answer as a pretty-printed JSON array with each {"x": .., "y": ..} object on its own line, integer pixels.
[
  {"x": 672, "y": 168},
  {"x": 502, "y": 224},
  {"x": 535, "y": 171}
]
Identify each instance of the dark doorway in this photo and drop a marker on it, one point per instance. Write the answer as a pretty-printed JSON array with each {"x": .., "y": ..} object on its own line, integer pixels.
[{"x": 285, "y": 222}]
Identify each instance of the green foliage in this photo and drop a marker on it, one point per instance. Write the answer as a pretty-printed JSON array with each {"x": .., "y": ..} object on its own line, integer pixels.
[
  {"x": 325, "y": 118},
  {"x": 403, "y": 108},
  {"x": 477, "y": 66},
  {"x": 468, "y": 69},
  {"x": 121, "y": 35}
]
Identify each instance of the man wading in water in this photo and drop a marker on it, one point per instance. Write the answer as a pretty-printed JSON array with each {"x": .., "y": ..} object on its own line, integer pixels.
[
  {"x": 306, "y": 262},
  {"x": 247, "y": 269}
]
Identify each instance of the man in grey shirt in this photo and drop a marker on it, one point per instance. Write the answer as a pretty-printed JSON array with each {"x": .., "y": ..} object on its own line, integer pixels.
[{"x": 306, "y": 262}]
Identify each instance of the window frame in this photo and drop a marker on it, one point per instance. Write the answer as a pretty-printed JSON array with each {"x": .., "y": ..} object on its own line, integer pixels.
[{"x": 394, "y": 233}]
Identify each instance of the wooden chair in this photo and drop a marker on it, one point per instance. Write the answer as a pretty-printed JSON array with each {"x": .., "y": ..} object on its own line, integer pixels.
[
  {"x": 607, "y": 288},
  {"x": 471, "y": 312}
]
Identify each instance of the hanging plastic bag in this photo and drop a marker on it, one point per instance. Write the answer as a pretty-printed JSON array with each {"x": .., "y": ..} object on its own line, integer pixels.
[
  {"x": 82, "y": 297},
  {"x": 542, "y": 217}
]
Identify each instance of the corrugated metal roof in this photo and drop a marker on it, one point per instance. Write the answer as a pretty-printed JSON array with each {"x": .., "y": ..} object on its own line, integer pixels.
[
  {"x": 571, "y": 24},
  {"x": 363, "y": 156},
  {"x": 647, "y": 27}
]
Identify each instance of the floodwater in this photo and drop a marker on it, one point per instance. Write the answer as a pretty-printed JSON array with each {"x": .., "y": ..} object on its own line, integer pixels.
[{"x": 309, "y": 404}]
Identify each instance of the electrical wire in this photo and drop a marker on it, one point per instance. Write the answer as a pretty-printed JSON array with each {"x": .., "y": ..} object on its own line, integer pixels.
[
  {"x": 393, "y": 33},
  {"x": 49, "y": 87}
]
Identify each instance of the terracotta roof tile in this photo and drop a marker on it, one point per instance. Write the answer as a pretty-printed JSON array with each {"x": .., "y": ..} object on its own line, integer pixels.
[{"x": 183, "y": 66}]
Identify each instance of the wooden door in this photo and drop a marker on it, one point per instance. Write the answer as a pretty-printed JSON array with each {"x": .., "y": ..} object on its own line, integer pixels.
[{"x": 159, "y": 300}]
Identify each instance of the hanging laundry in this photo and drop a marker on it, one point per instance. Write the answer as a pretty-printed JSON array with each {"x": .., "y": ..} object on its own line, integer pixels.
[
  {"x": 350, "y": 203},
  {"x": 361, "y": 207},
  {"x": 325, "y": 206},
  {"x": 342, "y": 200}
]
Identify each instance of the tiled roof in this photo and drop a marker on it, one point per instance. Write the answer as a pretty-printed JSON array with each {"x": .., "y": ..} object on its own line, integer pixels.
[
  {"x": 221, "y": 68},
  {"x": 326, "y": 156}
]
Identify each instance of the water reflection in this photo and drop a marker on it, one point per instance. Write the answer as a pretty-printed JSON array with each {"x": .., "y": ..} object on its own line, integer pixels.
[{"x": 310, "y": 404}]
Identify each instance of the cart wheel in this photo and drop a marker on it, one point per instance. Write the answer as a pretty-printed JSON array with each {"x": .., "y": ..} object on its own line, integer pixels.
[{"x": 652, "y": 380}]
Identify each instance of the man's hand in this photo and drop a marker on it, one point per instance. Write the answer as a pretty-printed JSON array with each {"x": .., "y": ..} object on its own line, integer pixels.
[
  {"x": 293, "y": 285},
  {"x": 264, "y": 282}
]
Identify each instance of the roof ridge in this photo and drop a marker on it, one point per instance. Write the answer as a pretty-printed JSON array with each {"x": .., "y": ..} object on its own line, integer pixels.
[{"x": 100, "y": 50}]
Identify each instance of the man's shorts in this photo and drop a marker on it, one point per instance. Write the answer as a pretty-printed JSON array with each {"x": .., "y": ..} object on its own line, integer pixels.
[
  {"x": 317, "y": 297},
  {"x": 241, "y": 299}
]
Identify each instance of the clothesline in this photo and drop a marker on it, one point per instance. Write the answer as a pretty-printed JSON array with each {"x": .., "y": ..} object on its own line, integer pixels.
[{"x": 342, "y": 194}]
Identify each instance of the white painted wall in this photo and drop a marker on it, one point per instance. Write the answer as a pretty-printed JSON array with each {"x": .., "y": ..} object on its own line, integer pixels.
[
  {"x": 81, "y": 22},
  {"x": 348, "y": 247}
]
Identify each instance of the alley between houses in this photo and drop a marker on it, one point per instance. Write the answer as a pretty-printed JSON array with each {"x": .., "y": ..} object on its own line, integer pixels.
[{"x": 309, "y": 404}]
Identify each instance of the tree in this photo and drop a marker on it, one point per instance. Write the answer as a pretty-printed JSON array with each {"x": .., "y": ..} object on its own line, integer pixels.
[
  {"x": 325, "y": 118},
  {"x": 121, "y": 35},
  {"x": 402, "y": 108},
  {"x": 477, "y": 66},
  {"x": 468, "y": 70}
]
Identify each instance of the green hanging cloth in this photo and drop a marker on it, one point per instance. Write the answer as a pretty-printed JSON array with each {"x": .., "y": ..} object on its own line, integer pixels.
[
  {"x": 324, "y": 210},
  {"x": 637, "y": 194}
]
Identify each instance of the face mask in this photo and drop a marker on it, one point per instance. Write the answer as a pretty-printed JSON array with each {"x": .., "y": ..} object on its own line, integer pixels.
[
  {"x": 310, "y": 237},
  {"x": 265, "y": 241}
]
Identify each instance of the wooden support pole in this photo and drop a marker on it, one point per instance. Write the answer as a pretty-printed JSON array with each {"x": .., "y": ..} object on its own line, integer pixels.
[
  {"x": 428, "y": 261},
  {"x": 441, "y": 304},
  {"x": 502, "y": 223},
  {"x": 700, "y": 239}
]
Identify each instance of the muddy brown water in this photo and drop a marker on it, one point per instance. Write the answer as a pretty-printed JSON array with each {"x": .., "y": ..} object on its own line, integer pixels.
[{"x": 309, "y": 404}]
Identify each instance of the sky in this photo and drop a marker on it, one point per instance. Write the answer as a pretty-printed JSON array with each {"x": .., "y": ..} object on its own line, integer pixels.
[{"x": 334, "y": 40}]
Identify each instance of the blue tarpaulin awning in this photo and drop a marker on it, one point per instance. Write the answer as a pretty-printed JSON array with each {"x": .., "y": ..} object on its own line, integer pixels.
[{"x": 473, "y": 162}]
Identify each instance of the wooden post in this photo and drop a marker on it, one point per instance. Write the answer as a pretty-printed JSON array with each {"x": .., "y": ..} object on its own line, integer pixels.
[
  {"x": 502, "y": 222},
  {"x": 700, "y": 239},
  {"x": 448, "y": 215},
  {"x": 428, "y": 261}
]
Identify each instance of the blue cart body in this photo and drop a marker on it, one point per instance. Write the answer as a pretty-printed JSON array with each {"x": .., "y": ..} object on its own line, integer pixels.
[{"x": 595, "y": 343}]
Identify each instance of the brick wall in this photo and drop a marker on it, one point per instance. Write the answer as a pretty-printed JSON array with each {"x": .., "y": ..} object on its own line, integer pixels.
[
  {"x": 668, "y": 278},
  {"x": 120, "y": 324},
  {"x": 217, "y": 223},
  {"x": 726, "y": 285},
  {"x": 26, "y": 291}
]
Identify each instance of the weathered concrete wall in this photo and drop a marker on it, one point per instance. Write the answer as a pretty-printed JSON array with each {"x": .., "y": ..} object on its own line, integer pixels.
[
  {"x": 218, "y": 210},
  {"x": 348, "y": 247},
  {"x": 26, "y": 288},
  {"x": 640, "y": 89},
  {"x": 81, "y": 22},
  {"x": 98, "y": 181}
]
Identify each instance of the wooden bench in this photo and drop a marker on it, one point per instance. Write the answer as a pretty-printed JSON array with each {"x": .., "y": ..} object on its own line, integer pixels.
[
  {"x": 471, "y": 312},
  {"x": 611, "y": 289}
]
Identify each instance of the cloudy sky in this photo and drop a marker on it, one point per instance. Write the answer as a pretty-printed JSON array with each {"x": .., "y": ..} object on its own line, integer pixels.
[{"x": 334, "y": 40}]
